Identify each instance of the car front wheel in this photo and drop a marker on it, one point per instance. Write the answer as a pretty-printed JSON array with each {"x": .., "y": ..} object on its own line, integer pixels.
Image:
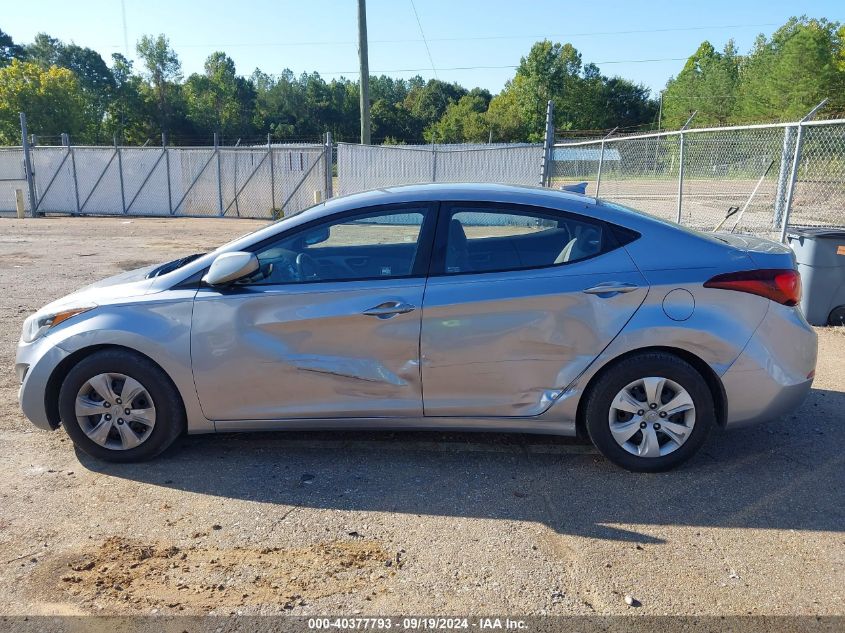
[
  {"x": 649, "y": 412},
  {"x": 119, "y": 406}
]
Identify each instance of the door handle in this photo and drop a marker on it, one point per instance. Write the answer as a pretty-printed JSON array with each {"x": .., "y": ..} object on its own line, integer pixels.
[
  {"x": 611, "y": 287},
  {"x": 389, "y": 309}
]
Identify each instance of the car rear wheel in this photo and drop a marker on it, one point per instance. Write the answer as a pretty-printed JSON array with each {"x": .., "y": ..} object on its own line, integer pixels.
[
  {"x": 120, "y": 407},
  {"x": 649, "y": 412}
]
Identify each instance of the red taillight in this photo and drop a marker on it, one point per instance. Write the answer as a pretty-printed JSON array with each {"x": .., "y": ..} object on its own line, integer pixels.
[{"x": 782, "y": 285}]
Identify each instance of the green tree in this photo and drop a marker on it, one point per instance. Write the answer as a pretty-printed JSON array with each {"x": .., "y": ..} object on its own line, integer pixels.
[
  {"x": 707, "y": 84},
  {"x": 164, "y": 74},
  {"x": 44, "y": 50},
  {"x": 128, "y": 116},
  {"x": 427, "y": 102},
  {"x": 463, "y": 121},
  {"x": 505, "y": 115},
  {"x": 51, "y": 98},
  {"x": 8, "y": 49},
  {"x": 95, "y": 77},
  {"x": 220, "y": 100},
  {"x": 583, "y": 98},
  {"x": 786, "y": 76},
  {"x": 549, "y": 72}
]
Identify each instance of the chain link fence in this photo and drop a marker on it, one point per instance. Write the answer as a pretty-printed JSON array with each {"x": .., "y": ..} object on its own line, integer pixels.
[
  {"x": 696, "y": 176},
  {"x": 250, "y": 182},
  {"x": 363, "y": 167},
  {"x": 12, "y": 178},
  {"x": 693, "y": 176}
]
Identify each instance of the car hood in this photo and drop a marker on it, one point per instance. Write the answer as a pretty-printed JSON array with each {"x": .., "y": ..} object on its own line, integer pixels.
[
  {"x": 132, "y": 283},
  {"x": 128, "y": 277}
]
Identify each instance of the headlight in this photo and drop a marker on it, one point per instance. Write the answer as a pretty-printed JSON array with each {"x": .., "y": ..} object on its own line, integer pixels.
[{"x": 38, "y": 324}]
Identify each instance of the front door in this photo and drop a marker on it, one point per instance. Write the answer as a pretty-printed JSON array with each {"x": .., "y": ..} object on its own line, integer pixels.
[
  {"x": 519, "y": 303},
  {"x": 327, "y": 328}
]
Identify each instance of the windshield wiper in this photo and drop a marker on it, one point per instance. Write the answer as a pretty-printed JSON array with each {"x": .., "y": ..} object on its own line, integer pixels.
[{"x": 169, "y": 267}]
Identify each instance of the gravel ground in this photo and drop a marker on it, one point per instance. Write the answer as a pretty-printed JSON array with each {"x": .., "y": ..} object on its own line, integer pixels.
[{"x": 383, "y": 523}]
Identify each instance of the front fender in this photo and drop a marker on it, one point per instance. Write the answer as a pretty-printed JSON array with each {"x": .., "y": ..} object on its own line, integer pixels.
[{"x": 159, "y": 329}]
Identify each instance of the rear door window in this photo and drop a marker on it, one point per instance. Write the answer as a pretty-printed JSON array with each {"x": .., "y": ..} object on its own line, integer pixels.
[{"x": 489, "y": 238}]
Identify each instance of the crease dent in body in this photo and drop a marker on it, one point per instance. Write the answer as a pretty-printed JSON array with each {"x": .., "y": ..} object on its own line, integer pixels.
[{"x": 360, "y": 369}]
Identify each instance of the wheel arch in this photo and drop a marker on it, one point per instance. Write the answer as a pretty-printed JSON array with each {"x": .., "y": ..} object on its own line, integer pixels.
[
  {"x": 714, "y": 383},
  {"x": 54, "y": 382}
]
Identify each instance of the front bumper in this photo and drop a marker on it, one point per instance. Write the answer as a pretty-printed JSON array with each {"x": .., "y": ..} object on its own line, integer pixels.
[{"x": 35, "y": 363}]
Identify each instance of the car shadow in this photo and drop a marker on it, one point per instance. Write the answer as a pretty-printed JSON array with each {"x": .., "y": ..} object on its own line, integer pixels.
[{"x": 787, "y": 474}]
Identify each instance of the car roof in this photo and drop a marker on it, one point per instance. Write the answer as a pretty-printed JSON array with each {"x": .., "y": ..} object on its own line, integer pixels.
[
  {"x": 482, "y": 192},
  {"x": 432, "y": 192}
]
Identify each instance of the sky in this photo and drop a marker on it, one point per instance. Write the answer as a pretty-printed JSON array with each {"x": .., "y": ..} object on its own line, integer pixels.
[{"x": 473, "y": 42}]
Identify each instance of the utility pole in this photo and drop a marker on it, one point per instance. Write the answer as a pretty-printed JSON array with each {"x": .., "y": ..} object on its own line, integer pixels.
[
  {"x": 364, "y": 91},
  {"x": 660, "y": 112}
]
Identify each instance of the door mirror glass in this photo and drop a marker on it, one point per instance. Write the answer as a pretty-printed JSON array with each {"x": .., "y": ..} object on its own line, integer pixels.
[
  {"x": 228, "y": 268},
  {"x": 316, "y": 236}
]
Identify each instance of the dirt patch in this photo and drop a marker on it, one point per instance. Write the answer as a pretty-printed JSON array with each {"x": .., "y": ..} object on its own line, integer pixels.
[
  {"x": 120, "y": 573},
  {"x": 10, "y": 260},
  {"x": 132, "y": 264}
]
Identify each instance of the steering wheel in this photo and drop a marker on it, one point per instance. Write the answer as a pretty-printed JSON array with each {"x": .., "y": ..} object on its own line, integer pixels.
[{"x": 306, "y": 267}]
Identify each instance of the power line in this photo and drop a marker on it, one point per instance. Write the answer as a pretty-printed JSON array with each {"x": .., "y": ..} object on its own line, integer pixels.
[
  {"x": 427, "y": 49},
  {"x": 505, "y": 67},
  {"x": 473, "y": 38}
]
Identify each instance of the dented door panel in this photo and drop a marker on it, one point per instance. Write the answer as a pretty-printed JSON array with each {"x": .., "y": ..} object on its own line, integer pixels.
[
  {"x": 506, "y": 344},
  {"x": 308, "y": 350}
]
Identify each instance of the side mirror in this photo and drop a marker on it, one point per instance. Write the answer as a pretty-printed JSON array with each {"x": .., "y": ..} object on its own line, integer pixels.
[{"x": 229, "y": 267}]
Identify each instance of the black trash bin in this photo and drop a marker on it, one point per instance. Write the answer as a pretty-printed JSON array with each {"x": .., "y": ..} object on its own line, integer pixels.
[{"x": 820, "y": 254}]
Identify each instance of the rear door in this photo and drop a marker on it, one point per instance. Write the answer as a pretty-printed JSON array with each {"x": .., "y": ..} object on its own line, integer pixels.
[{"x": 520, "y": 300}]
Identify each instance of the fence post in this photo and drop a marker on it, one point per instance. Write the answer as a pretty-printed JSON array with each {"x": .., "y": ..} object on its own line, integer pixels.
[
  {"x": 598, "y": 174},
  {"x": 27, "y": 162},
  {"x": 219, "y": 175},
  {"x": 66, "y": 143},
  {"x": 793, "y": 177},
  {"x": 20, "y": 207},
  {"x": 272, "y": 176},
  {"x": 548, "y": 141},
  {"x": 795, "y": 164},
  {"x": 433, "y": 162},
  {"x": 167, "y": 172},
  {"x": 783, "y": 175},
  {"x": 329, "y": 157},
  {"x": 235, "y": 178},
  {"x": 601, "y": 160},
  {"x": 120, "y": 174},
  {"x": 681, "y": 169}
]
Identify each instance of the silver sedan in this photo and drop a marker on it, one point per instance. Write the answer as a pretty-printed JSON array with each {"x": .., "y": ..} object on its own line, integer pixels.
[{"x": 466, "y": 307}]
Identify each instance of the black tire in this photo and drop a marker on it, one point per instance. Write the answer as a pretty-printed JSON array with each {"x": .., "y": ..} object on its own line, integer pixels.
[
  {"x": 617, "y": 377},
  {"x": 837, "y": 316},
  {"x": 169, "y": 410}
]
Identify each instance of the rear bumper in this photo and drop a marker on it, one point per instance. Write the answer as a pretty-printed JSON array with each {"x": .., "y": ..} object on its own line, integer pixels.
[
  {"x": 754, "y": 397},
  {"x": 774, "y": 373}
]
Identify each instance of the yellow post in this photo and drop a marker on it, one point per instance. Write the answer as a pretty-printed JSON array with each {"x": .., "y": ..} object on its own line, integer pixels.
[
  {"x": 318, "y": 196},
  {"x": 19, "y": 204}
]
